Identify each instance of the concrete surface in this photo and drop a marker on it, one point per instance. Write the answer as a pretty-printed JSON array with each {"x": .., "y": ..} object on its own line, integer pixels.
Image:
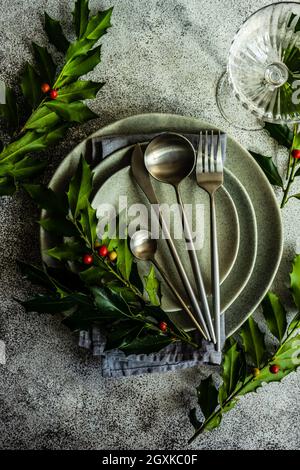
[{"x": 164, "y": 56}]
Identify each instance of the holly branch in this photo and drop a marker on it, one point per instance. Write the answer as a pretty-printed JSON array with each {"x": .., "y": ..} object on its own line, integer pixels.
[
  {"x": 247, "y": 363},
  {"x": 54, "y": 97},
  {"x": 96, "y": 281}
]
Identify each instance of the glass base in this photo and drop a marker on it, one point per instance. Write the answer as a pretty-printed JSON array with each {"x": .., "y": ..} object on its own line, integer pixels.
[{"x": 232, "y": 109}]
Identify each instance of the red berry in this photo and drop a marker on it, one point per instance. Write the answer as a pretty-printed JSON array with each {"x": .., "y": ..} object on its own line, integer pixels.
[
  {"x": 163, "y": 326},
  {"x": 53, "y": 94},
  {"x": 87, "y": 259},
  {"x": 103, "y": 251},
  {"x": 296, "y": 153},
  {"x": 274, "y": 369},
  {"x": 45, "y": 87}
]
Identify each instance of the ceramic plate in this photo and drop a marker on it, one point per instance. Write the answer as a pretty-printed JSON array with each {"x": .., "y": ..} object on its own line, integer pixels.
[
  {"x": 243, "y": 166},
  {"x": 242, "y": 268}
]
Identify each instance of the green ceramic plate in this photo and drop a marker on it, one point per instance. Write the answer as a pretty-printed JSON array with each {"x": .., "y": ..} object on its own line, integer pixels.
[{"x": 242, "y": 165}]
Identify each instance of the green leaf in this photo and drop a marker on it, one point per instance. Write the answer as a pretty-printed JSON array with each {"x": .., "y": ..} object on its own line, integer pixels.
[
  {"x": 253, "y": 341},
  {"x": 30, "y": 142},
  {"x": 81, "y": 17},
  {"x": 81, "y": 65},
  {"x": 122, "y": 335},
  {"x": 59, "y": 226},
  {"x": 93, "y": 276},
  {"x": 84, "y": 316},
  {"x": 146, "y": 345},
  {"x": 69, "y": 251},
  {"x": 35, "y": 275},
  {"x": 48, "y": 304},
  {"x": 73, "y": 112},
  {"x": 296, "y": 196},
  {"x": 275, "y": 315},
  {"x": 7, "y": 186},
  {"x": 55, "y": 134},
  {"x": 27, "y": 167},
  {"x": 42, "y": 119},
  {"x": 110, "y": 304},
  {"x": 47, "y": 199},
  {"x": 207, "y": 396},
  {"x": 55, "y": 34},
  {"x": 297, "y": 174},
  {"x": 232, "y": 365},
  {"x": 295, "y": 280},
  {"x": 269, "y": 168},
  {"x": 124, "y": 259},
  {"x": 295, "y": 323},
  {"x": 31, "y": 85},
  {"x": 98, "y": 25},
  {"x": 80, "y": 90},
  {"x": 46, "y": 66},
  {"x": 9, "y": 109},
  {"x": 152, "y": 287},
  {"x": 88, "y": 222},
  {"x": 281, "y": 133},
  {"x": 80, "y": 188}
]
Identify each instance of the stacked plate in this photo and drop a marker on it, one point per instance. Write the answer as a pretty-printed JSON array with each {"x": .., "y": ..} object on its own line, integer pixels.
[{"x": 248, "y": 217}]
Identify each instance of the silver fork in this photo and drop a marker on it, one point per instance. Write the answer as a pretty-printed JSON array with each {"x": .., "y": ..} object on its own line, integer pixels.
[{"x": 209, "y": 173}]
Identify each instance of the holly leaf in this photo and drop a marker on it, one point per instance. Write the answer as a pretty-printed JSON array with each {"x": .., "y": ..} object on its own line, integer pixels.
[
  {"x": 152, "y": 287},
  {"x": 31, "y": 85},
  {"x": 59, "y": 226},
  {"x": 275, "y": 315},
  {"x": 9, "y": 109},
  {"x": 7, "y": 186},
  {"x": 68, "y": 251},
  {"x": 80, "y": 90},
  {"x": 84, "y": 315},
  {"x": 88, "y": 222},
  {"x": 30, "y": 142},
  {"x": 207, "y": 394},
  {"x": 232, "y": 366},
  {"x": 93, "y": 276},
  {"x": 73, "y": 112},
  {"x": 80, "y": 187},
  {"x": 110, "y": 304},
  {"x": 81, "y": 17},
  {"x": 124, "y": 259},
  {"x": 194, "y": 420},
  {"x": 55, "y": 34},
  {"x": 119, "y": 338},
  {"x": 42, "y": 119},
  {"x": 35, "y": 275},
  {"x": 281, "y": 133},
  {"x": 269, "y": 168},
  {"x": 47, "y": 199},
  {"x": 46, "y": 66},
  {"x": 98, "y": 25},
  {"x": 296, "y": 196},
  {"x": 27, "y": 167},
  {"x": 146, "y": 345},
  {"x": 81, "y": 65},
  {"x": 295, "y": 281},
  {"x": 253, "y": 341},
  {"x": 48, "y": 304}
]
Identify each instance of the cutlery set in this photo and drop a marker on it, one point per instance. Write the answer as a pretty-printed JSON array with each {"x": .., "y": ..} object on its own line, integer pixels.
[{"x": 170, "y": 158}]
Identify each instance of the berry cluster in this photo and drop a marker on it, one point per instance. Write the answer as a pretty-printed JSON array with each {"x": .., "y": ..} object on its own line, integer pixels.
[
  {"x": 53, "y": 94},
  {"x": 102, "y": 251}
]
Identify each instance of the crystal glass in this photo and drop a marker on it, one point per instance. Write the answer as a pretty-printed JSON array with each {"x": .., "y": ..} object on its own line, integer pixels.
[{"x": 264, "y": 63}]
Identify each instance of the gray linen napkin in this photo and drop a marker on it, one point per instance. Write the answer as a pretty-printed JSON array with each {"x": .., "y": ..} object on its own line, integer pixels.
[{"x": 115, "y": 363}]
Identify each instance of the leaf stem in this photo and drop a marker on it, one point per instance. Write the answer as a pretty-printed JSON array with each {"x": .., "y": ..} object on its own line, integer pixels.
[{"x": 289, "y": 183}]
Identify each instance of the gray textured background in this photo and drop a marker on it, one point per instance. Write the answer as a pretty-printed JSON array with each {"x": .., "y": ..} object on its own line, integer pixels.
[{"x": 163, "y": 56}]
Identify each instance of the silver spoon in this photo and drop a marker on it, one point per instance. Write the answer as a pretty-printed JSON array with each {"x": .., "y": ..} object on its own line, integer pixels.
[
  {"x": 170, "y": 158},
  {"x": 144, "y": 248}
]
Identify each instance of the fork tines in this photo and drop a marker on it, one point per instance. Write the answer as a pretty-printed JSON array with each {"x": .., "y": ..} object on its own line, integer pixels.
[{"x": 211, "y": 151}]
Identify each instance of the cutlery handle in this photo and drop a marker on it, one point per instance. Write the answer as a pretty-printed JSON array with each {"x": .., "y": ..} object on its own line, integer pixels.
[
  {"x": 177, "y": 295},
  {"x": 215, "y": 275},
  {"x": 183, "y": 276},
  {"x": 196, "y": 267}
]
